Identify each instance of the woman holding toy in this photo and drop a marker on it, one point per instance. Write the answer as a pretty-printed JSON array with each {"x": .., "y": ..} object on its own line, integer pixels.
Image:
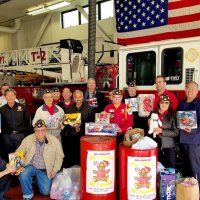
[{"x": 166, "y": 131}]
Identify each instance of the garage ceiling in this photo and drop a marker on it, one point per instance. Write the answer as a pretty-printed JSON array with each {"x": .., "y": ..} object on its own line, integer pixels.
[{"x": 16, "y": 9}]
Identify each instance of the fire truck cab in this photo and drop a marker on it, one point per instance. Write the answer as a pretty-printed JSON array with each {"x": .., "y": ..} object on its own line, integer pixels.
[{"x": 177, "y": 60}]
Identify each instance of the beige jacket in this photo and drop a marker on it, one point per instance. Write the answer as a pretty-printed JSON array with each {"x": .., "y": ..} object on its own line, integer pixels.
[{"x": 53, "y": 153}]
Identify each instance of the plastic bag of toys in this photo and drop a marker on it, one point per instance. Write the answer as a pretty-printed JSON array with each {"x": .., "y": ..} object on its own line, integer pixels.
[{"x": 66, "y": 184}]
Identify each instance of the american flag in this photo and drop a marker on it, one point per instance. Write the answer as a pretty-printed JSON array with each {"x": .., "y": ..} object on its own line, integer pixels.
[{"x": 142, "y": 21}]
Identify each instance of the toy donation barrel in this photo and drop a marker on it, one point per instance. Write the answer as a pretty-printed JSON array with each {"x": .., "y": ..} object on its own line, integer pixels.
[
  {"x": 98, "y": 168},
  {"x": 137, "y": 173}
]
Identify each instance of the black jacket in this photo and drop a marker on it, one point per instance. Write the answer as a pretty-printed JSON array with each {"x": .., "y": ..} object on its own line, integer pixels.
[
  {"x": 101, "y": 100},
  {"x": 16, "y": 118},
  {"x": 87, "y": 115}
]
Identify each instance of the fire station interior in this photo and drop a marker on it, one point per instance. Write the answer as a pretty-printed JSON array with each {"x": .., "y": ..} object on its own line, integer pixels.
[{"x": 60, "y": 43}]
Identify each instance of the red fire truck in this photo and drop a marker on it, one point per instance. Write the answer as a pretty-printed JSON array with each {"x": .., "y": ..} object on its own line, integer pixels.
[{"x": 64, "y": 64}]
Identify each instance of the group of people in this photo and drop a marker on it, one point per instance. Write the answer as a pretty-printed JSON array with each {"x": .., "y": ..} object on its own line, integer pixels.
[
  {"x": 49, "y": 145},
  {"x": 167, "y": 134}
]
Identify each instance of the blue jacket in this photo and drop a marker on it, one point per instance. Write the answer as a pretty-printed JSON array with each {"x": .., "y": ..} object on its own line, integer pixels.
[{"x": 194, "y": 136}]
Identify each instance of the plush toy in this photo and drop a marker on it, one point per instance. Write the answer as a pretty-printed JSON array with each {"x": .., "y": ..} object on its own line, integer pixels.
[{"x": 154, "y": 122}]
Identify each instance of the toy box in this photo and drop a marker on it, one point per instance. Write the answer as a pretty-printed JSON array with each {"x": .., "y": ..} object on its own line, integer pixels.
[
  {"x": 72, "y": 119},
  {"x": 16, "y": 159},
  {"x": 100, "y": 129},
  {"x": 186, "y": 119},
  {"x": 102, "y": 118},
  {"x": 132, "y": 103}
]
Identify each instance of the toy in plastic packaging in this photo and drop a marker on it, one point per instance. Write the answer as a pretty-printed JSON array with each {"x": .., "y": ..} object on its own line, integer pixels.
[
  {"x": 92, "y": 102},
  {"x": 167, "y": 184},
  {"x": 145, "y": 104},
  {"x": 66, "y": 184},
  {"x": 53, "y": 122},
  {"x": 72, "y": 119},
  {"x": 102, "y": 118},
  {"x": 100, "y": 129},
  {"x": 186, "y": 119},
  {"x": 132, "y": 103},
  {"x": 16, "y": 159}
]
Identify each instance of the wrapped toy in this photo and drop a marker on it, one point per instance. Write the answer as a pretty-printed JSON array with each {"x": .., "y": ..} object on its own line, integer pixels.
[{"x": 145, "y": 103}]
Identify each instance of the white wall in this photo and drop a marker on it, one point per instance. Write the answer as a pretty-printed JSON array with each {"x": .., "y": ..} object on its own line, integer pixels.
[
  {"x": 5, "y": 41},
  {"x": 54, "y": 33}
]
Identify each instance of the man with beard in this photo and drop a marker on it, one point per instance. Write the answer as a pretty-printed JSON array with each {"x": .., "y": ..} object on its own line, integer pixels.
[{"x": 71, "y": 134}]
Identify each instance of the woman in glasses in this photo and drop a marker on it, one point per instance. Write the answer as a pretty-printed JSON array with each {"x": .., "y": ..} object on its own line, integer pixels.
[{"x": 166, "y": 131}]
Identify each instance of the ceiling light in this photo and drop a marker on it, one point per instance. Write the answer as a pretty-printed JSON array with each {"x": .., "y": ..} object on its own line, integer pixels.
[
  {"x": 57, "y": 5},
  {"x": 44, "y": 9},
  {"x": 37, "y": 11}
]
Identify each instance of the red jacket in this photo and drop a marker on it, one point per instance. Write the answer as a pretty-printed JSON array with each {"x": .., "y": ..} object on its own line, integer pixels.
[
  {"x": 172, "y": 98},
  {"x": 120, "y": 116}
]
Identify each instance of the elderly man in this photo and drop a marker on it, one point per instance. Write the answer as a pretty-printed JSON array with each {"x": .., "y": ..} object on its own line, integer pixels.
[
  {"x": 160, "y": 83},
  {"x": 67, "y": 101},
  {"x": 139, "y": 122},
  {"x": 4, "y": 87},
  {"x": 15, "y": 123},
  {"x": 120, "y": 114},
  {"x": 56, "y": 95},
  {"x": 43, "y": 156},
  {"x": 71, "y": 134},
  {"x": 51, "y": 114},
  {"x": 94, "y": 97},
  {"x": 190, "y": 138}
]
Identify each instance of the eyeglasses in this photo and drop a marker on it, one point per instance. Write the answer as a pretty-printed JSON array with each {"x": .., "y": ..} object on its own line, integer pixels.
[{"x": 164, "y": 102}]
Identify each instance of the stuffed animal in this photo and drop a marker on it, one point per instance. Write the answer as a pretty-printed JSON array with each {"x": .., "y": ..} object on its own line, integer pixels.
[{"x": 154, "y": 122}]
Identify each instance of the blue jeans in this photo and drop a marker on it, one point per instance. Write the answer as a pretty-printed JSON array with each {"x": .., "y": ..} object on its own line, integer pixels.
[
  {"x": 192, "y": 159},
  {"x": 44, "y": 183}
]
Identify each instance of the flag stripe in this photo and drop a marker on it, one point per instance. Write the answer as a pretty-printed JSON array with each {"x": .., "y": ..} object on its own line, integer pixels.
[
  {"x": 184, "y": 11},
  {"x": 160, "y": 30},
  {"x": 182, "y": 4},
  {"x": 162, "y": 36},
  {"x": 183, "y": 19}
]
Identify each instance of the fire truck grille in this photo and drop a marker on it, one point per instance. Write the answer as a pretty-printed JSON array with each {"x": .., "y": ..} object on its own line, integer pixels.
[{"x": 189, "y": 75}]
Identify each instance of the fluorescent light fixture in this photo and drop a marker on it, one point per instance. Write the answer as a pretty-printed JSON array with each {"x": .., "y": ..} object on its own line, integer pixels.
[
  {"x": 57, "y": 5},
  {"x": 37, "y": 11},
  {"x": 44, "y": 9}
]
